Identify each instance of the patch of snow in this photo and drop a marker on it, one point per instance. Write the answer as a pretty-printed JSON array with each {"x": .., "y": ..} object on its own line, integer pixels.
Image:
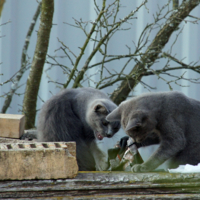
[{"x": 186, "y": 169}]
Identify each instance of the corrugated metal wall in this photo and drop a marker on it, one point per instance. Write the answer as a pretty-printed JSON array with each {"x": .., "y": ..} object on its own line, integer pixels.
[{"x": 20, "y": 13}]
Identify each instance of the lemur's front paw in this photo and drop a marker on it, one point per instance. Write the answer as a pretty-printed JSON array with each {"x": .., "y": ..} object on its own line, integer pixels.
[
  {"x": 140, "y": 168},
  {"x": 102, "y": 165}
]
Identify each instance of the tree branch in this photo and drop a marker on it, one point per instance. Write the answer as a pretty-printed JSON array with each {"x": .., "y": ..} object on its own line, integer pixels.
[
  {"x": 154, "y": 49},
  {"x": 20, "y": 73},
  {"x": 1, "y": 6},
  {"x": 117, "y": 25},
  {"x": 33, "y": 82},
  {"x": 85, "y": 44}
]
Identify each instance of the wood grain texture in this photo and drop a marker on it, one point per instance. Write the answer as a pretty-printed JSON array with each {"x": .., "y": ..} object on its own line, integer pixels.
[{"x": 108, "y": 185}]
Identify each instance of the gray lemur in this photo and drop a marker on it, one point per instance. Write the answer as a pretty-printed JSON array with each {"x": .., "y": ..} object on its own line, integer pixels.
[
  {"x": 170, "y": 118},
  {"x": 79, "y": 115}
]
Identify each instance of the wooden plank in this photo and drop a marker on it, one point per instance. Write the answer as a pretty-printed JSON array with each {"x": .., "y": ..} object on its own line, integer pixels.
[
  {"x": 11, "y": 126},
  {"x": 105, "y": 185},
  {"x": 66, "y": 196}
]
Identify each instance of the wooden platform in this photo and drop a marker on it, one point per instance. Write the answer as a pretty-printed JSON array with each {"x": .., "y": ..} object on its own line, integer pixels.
[{"x": 107, "y": 185}]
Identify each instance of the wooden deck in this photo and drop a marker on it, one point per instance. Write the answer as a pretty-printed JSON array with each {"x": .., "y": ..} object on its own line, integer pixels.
[{"x": 107, "y": 185}]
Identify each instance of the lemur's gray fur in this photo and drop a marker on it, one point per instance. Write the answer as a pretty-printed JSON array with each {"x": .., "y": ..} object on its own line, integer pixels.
[
  {"x": 79, "y": 115},
  {"x": 170, "y": 116}
]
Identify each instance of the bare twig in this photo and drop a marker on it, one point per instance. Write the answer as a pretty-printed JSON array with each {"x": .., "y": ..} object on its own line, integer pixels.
[
  {"x": 24, "y": 62},
  {"x": 153, "y": 50},
  {"x": 85, "y": 44},
  {"x": 117, "y": 25}
]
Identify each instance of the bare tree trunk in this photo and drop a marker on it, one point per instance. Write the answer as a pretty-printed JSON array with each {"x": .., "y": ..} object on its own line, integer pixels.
[
  {"x": 33, "y": 82},
  {"x": 152, "y": 52},
  {"x": 1, "y": 6}
]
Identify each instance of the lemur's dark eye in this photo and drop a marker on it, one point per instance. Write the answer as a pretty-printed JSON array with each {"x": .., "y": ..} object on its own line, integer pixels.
[
  {"x": 104, "y": 122},
  {"x": 137, "y": 128}
]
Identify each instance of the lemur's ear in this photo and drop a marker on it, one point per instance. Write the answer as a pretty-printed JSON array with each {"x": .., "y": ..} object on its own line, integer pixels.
[
  {"x": 133, "y": 123},
  {"x": 115, "y": 115},
  {"x": 100, "y": 108}
]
